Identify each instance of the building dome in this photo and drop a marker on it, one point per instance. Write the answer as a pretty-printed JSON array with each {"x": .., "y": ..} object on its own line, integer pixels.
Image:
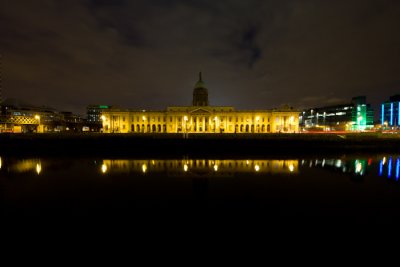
[{"x": 200, "y": 93}]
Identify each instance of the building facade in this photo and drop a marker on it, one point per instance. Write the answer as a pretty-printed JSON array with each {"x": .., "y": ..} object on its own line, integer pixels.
[
  {"x": 93, "y": 117},
  {"x": 19, "y": 117},
  {"x": 354, "y": 116},
  {"x": 390, "y": 112},
  {"x": 201, "y": 118}
]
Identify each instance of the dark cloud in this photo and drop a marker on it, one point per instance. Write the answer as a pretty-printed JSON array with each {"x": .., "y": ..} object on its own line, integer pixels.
[{"x": 146, "y": 54}]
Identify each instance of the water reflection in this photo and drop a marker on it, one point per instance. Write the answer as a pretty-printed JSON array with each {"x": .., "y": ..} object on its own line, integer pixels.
[
  {"x": 354, "y": 166},
  {"x": 21, "y": 165},
  {"x": 382, "y": 165},
  {"x": 389, "y": 166},
  {"x": 206, "y": 167}
]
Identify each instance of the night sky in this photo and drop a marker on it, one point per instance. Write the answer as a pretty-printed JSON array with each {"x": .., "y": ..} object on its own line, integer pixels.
[{"x": 146, "y": 54}]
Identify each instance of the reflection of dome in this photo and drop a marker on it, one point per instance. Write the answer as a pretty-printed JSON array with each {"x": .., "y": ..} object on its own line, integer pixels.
[{"x": 200, "y": 93}]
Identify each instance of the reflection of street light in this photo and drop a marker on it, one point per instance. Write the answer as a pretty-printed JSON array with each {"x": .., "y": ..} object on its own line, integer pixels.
[
  {"x": 104, "y": 168},
  {"x": 37, "y": 117},
  {"x": 38, "y": 168},
  {"x": 291, "y": 168},
  {"x": 144, "y": 168}
]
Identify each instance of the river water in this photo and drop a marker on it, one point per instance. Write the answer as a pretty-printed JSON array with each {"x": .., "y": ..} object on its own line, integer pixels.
[{"x": 345, "y": 188}]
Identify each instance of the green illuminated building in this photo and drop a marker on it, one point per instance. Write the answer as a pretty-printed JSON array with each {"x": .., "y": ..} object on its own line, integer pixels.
[
  {"x": 354, "y": 116},
  {"x": 362, "y": 117}
]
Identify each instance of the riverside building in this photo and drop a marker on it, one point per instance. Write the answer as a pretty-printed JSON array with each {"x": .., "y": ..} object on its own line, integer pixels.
[
  {"x": 200, "y": 117},
  {"x": 390, "y": 113},
  {"x": 354, "y": 116}
]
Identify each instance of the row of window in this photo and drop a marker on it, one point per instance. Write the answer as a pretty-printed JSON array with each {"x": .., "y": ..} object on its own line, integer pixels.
[{"x": 182, "y": 118}]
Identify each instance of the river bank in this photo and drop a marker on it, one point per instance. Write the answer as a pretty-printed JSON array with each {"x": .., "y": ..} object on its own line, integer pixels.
[{"x": 195, "y": 144}]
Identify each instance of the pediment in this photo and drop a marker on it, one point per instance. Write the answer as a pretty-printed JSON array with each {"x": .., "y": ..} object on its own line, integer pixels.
[{"x": 199, "y": 111}]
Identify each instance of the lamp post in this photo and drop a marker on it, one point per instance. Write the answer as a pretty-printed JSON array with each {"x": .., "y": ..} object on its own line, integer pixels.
[
  {"x": 103, "y": 119},
  {"x": 215, "y": 124},
  {"x": 257, "y": 125},
  {"x": 37, "y": 117},
  {"x": 144, "y": 125},
  {"x": 185, "y": 119}
]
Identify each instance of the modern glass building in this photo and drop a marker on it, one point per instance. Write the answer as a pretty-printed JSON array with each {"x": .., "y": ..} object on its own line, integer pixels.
[
  {"x": 93, "y": 118},
  {"x": 354, "y": 116},
  {"x": 390, "y": 112}
]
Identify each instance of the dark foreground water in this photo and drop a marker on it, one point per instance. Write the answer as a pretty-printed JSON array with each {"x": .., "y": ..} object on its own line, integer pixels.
[{"x": 342, "y": 188}]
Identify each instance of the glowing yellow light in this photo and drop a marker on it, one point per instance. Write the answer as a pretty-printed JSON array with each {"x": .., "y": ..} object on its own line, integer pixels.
[
  {"x": 256, "y": 168},
  {"x": 37, "y": 117},
  {"x": 291, "y": 168},
  {"x": 1, "y": 162},
  {"x": 144, "y": 168},
  {"x": 103, "y": 118},
  {"x": 384, "y": 160},
  {"x": 247, "y": 162},
  {"x": 104, "y": 168},
  {"x": 215, "y": 118},
  {"x": 144, "y": 118},
  {"x": 185, "y": 167},
  {"x": 185, "y": 118},
  {"x": 215, "y": 167},
  {"x": 38, "y": 168},
  {"x": 257, "y": 118},
  {"x": 153, "y": 162}
]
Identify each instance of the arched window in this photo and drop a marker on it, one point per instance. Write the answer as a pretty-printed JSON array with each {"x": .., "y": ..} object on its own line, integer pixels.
[{"x": 153, "y": 128}]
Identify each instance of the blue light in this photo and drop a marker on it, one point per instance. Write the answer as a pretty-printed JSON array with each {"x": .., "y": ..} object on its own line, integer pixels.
[
  {"x": 383, "y": 113},
  {"x": 397, "y": 168},
  {"x": 398, "y": 114},
  {"x": 380, "y": 167},
  {"x": 390, "y": 167},
  {"x": 391, "y": 113}
]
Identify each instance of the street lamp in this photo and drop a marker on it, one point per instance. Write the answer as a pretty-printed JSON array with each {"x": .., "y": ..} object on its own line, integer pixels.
[
  {"x": 144, "y": 121},
  {"x": 185, "y": 119},
  {"x": 257, "y": 125},
  {"x": 103, "y": 119},
  {"x": 37, "y": 117}
]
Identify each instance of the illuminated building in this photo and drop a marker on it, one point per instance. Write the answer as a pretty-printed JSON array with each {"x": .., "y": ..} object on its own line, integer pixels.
[
  {"x": 201, "y": 118},
  {"x": 93, "y": 117},
  {"x": 19, "y": 117},
  {"x": 354, "y": 116},
  {"x": 390, "y": 112}
]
